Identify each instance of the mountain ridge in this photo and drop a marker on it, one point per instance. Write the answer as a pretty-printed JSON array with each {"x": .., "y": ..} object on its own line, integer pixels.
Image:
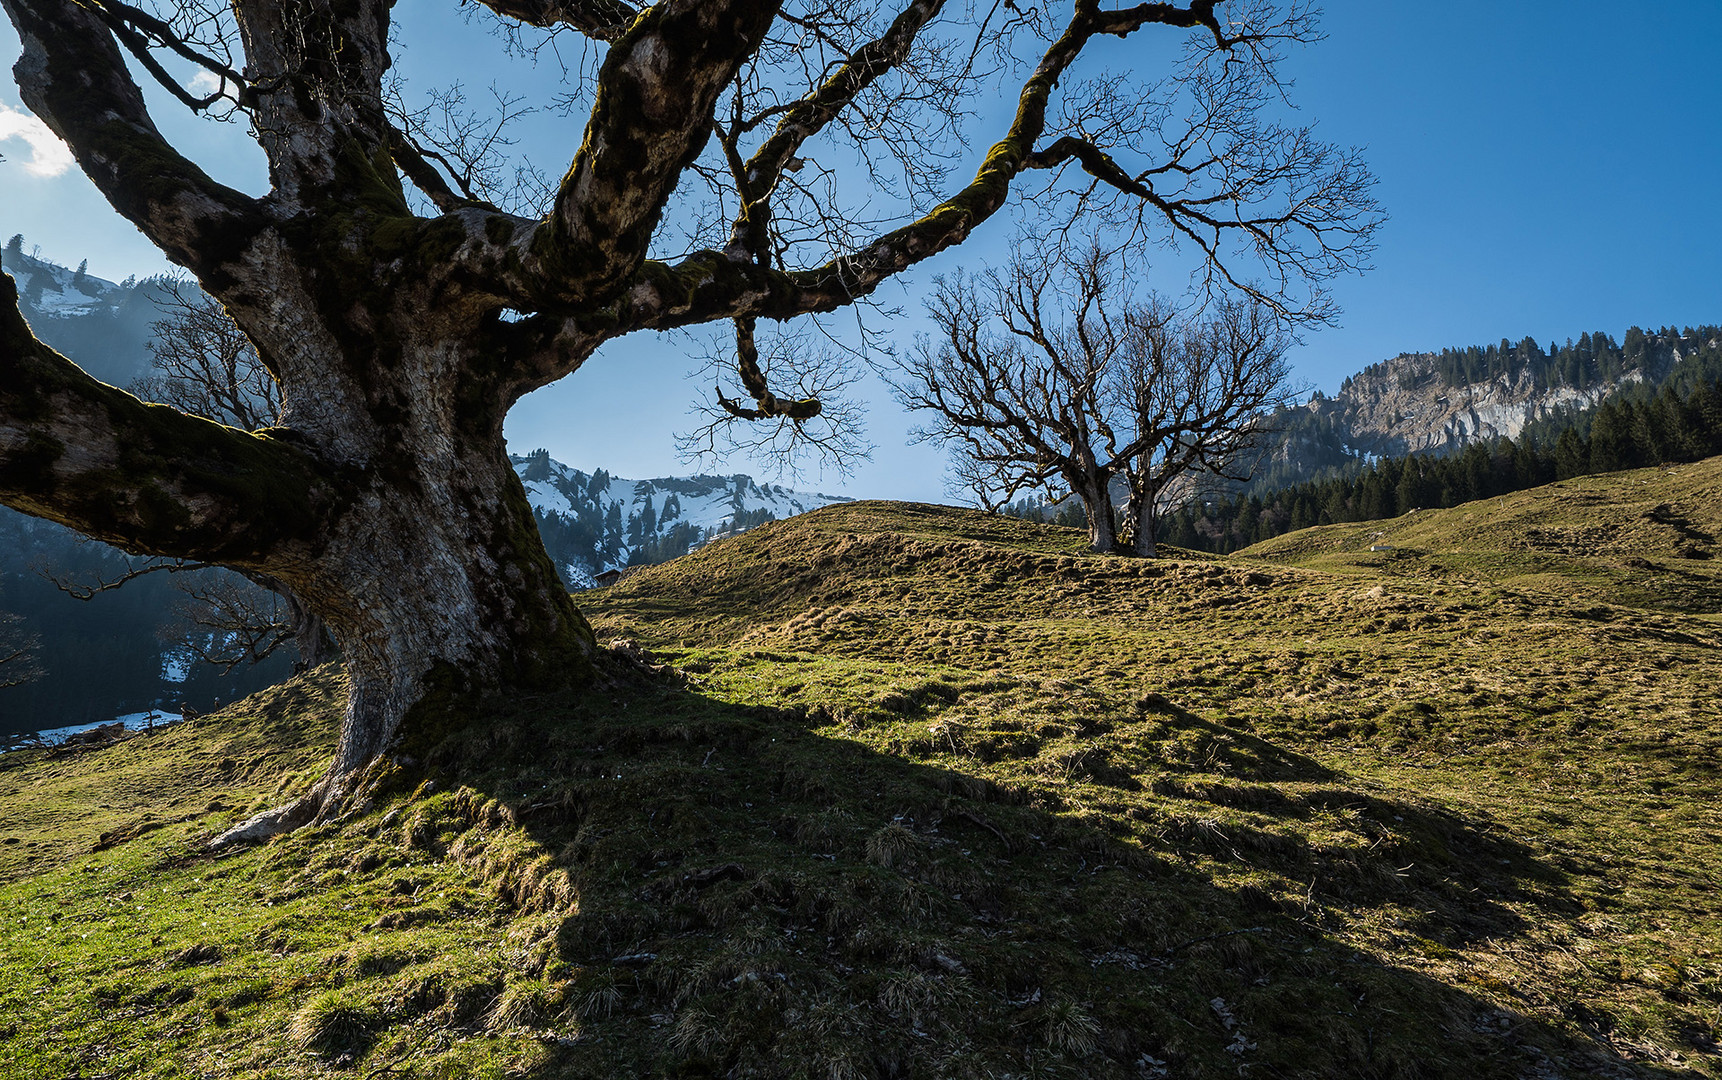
[
  {"x": 1442, "y": 402},
  {"x": 594, "y": 522},
  {"x": 103, "y": 326}
]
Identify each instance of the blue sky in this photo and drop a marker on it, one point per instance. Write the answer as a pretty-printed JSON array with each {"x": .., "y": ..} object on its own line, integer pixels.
[{"x": 1549, "y": 168}]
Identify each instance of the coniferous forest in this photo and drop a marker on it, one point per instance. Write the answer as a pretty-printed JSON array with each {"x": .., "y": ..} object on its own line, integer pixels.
[{"x": 1681, "y": 422}]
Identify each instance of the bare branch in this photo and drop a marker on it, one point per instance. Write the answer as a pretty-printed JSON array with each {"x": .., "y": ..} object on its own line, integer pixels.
[
  {"x": 602, "y": 20},
  {"x": 825, "y": 424},
  {"x": 416, "y": 165},
  {"x": 205, "y": 365},
  {"x": 769, "y": 404},
  {"x": 652, "y": 116},
  {"x": 469, "y": 145},
  {"x": 86, "y": 591},
  {"x": 228, "y": 621},
  {"x": 809, "y": 115},
  {"x": 72, "y": 76},
  {"x": 141, "y": 32},
  {"x": 703, "y": 287}
]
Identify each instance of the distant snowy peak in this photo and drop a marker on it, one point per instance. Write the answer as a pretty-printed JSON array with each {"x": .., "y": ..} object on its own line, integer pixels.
[
  {"x": 103, "y": 327},
  {"x": 58, "y": 292},
  {"x": 711, "y": 502},
  {"x": 594, "y": 522}
]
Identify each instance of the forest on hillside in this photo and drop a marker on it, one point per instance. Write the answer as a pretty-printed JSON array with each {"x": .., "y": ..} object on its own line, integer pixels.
[
  {"x": 123, "y": 650},
  {"x": 1628, "y": 432},
  {"x": 1677, "y": 418},
  {"x": 1596, "y": 358},
  {"x": 1329, "y": 437}
]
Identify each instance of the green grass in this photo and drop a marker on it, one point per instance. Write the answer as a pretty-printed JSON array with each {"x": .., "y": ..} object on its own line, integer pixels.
[{"x": 921, "y": 792}]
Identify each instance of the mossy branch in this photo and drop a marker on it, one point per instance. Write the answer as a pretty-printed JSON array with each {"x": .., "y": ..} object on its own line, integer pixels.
[
  {"x": 708, "y": 286},
  {"x": 147, "y": 478},
  {"x": 811, "y": 114},
  {"x": 73, "y": 76},
  {"x": 601, "y": 20},
  {"x": 652, "y": 116},
  {"x": 768, "y": 405}
]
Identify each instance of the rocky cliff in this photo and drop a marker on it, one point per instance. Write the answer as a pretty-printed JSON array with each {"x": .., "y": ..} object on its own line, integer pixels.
[
  {"x": 1406, "y": 409},
  {"x": 1441, "y": 402}
]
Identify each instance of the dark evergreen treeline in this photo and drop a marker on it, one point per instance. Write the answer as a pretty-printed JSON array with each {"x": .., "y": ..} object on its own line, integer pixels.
[
  {"x": 1683, "y": 422},
  {"x": 120, "y": 652},
  {"x": 1595, "y": 358},
  {"x": 1320, "y": 440},
  {"x": 1067, "y": 512}
]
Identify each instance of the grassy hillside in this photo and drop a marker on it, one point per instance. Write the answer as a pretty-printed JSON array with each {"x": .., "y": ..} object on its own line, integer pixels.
[{"x": 910, "y": 791}]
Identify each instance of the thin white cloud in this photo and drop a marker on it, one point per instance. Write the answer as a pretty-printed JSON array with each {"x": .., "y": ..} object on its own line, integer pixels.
[
  {"x": 204, "y": 82},
  {"x": 49, "y": 156}
]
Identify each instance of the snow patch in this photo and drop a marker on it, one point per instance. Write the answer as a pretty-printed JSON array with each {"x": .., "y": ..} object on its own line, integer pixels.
[
  {"x": 175, "y": 667},
  {"x": 139, "y": 721},
  {"x": 595, "y": 522}
]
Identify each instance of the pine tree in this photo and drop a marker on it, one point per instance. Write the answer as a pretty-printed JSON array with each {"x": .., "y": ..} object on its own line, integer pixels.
[
  {"x": 613, "y": 530},
  {"x": 1409, "y": 493},
  {"x": 1572, "y": 455},
  {"x": 1610, "y": 440}
]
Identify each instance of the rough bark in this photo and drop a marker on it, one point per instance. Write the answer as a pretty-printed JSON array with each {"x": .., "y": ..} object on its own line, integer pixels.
[
  {"x": 423, "y": 559},
  {"x": 1097, "y": 508},
  {"x": 310, "y": 634},
  {"x": 437, "y": 600},
  {"x": 1144, "y": 543}
]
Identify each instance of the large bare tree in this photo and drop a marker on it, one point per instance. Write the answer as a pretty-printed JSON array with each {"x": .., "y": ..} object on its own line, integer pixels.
[
  {"x": 1053, "y": 376},
  {"x": 400, "y": 337},
  {"x": 1204, "y": 390}
]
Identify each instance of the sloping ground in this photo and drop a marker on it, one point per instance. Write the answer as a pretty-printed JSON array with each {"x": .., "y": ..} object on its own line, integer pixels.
[
  {"x": 934, "y": 794},
  {"x": 56, "y": 804},
  {"x": 1644, "y": 539}
]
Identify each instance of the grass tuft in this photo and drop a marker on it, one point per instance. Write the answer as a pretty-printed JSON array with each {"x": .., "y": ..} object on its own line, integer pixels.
[{"x": 333, "y": 1022}]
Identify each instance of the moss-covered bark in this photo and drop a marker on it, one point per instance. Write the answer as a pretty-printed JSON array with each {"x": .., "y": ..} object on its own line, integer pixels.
[{"x": 425, "y": 563}]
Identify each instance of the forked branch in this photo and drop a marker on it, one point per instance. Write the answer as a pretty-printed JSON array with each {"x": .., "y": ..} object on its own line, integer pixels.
[{"x": 766, "y": 404}]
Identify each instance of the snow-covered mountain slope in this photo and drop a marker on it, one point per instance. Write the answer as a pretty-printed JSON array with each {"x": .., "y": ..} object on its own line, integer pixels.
[
  {"x": 103, "y": 326},
  {"x": 592, "y": 522}
]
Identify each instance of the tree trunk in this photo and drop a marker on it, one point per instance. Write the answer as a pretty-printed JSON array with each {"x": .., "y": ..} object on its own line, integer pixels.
[
  {"x": 310, "y": 637},
  {"x": 439, "y": 592},
  {"x": 1146, "y": 524},
  {"x": 385, "y": 502},
  {"x": 1097, "y": 506}
]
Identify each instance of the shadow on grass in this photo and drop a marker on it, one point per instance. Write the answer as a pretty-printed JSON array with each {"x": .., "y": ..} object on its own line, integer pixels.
[{"x": 721, "y": 890}]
